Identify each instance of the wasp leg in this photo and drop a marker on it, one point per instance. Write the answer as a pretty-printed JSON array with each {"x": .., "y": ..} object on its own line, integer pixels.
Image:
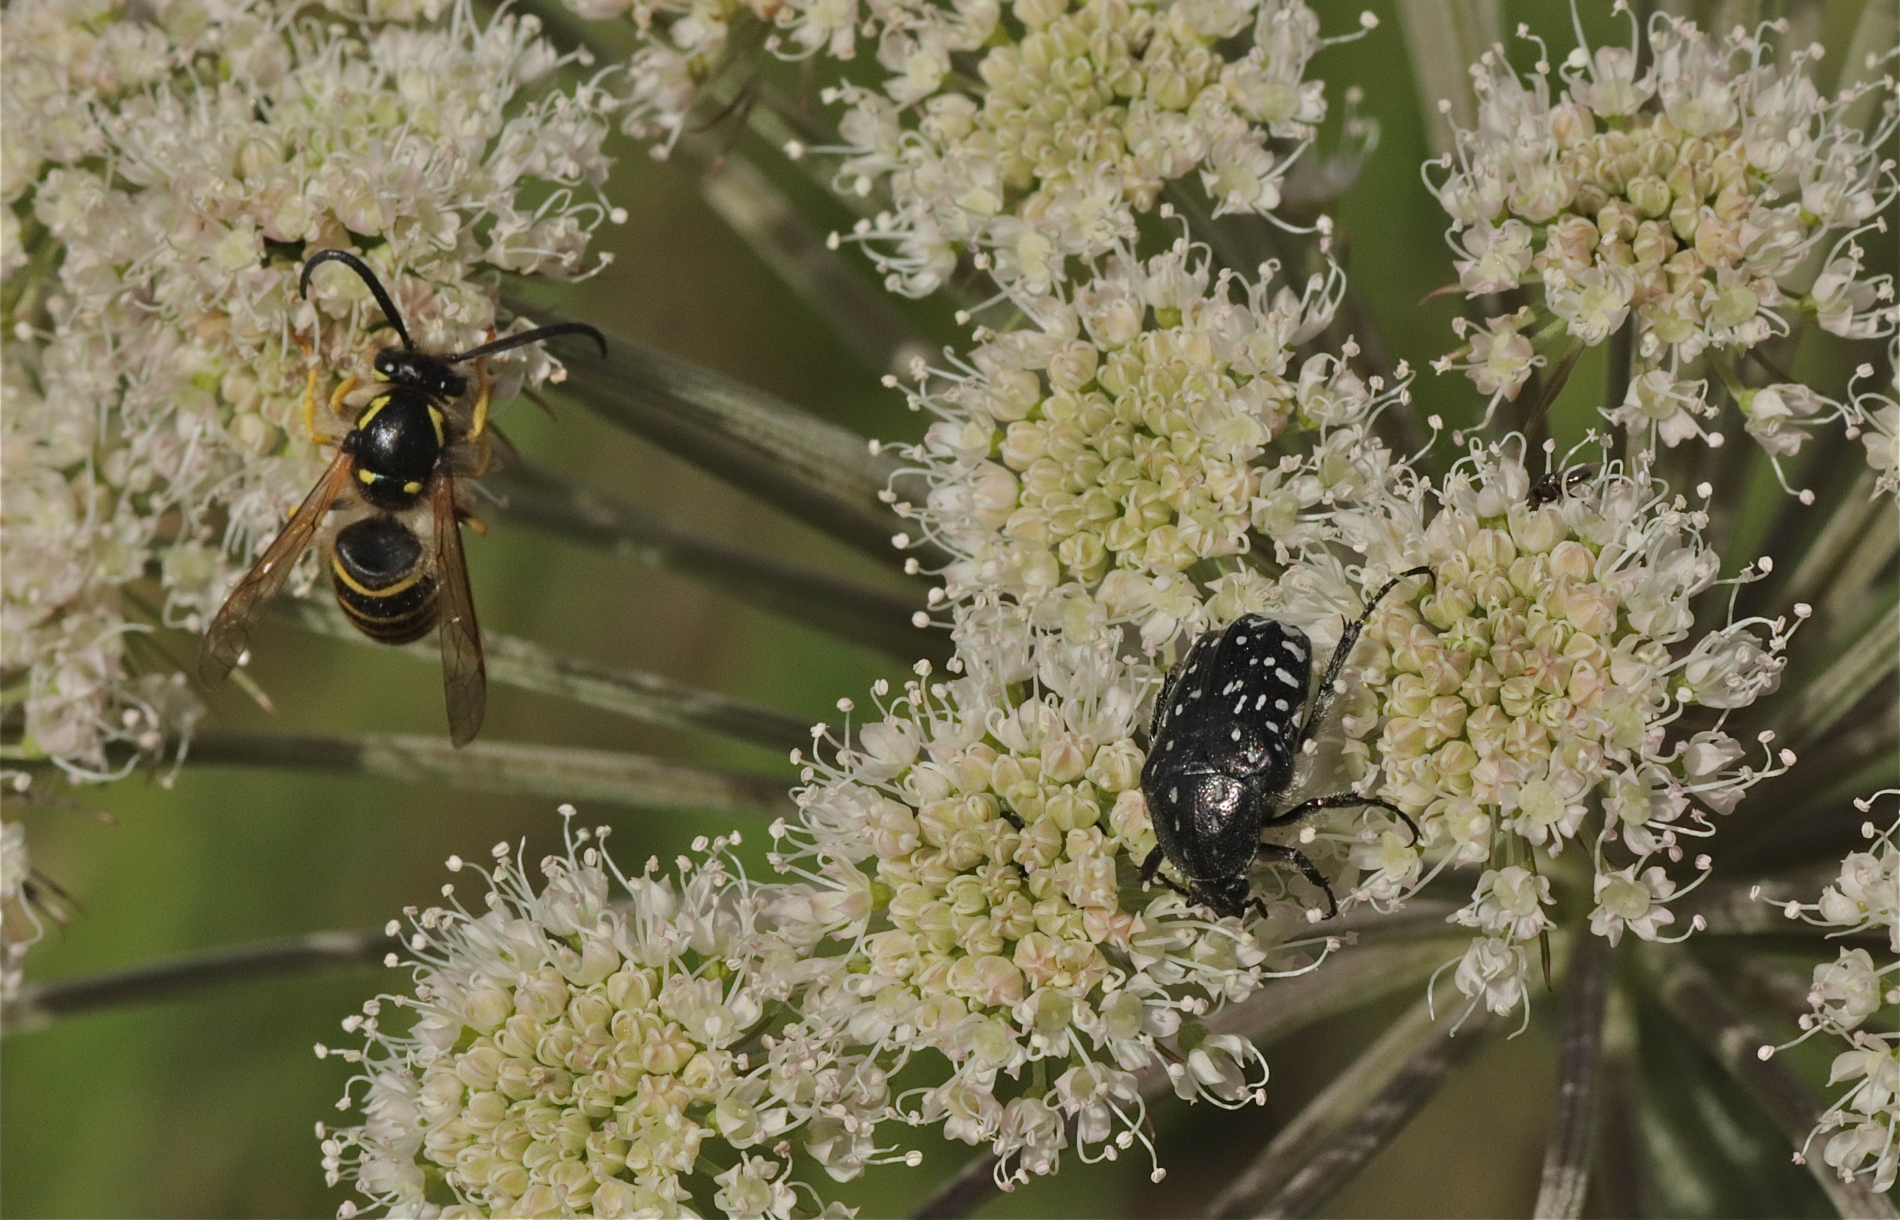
[
  {"x": 481, "y": 399},
  {"x": 310, "y": 410},
  {"x": 1342, "y": 800},
  {"x": 1297, "y": 858},
  {"x": 336, "y": 407},
  {"x": 1323, "y": 696}
]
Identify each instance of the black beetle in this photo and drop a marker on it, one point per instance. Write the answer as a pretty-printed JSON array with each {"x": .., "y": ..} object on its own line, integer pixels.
[{"x": 1230, "y": 722}]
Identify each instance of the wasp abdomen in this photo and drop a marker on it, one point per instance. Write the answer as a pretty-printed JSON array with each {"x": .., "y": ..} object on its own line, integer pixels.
[{"x": 382, "y": 580}]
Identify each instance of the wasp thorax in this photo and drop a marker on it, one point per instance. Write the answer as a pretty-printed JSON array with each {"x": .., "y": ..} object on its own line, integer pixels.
[{"x": 396, "y": 443}]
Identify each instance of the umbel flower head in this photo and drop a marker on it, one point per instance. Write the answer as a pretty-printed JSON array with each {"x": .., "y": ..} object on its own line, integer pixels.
[
  {"x": 1153, "y": 417},
  {"x": 21, "y": 926},
  {"x": 1541, "y": 671},
  {"x": 159, "y": 353},
  {"x": 1862, "y": 1127},
  {"x": 1073, "y": 121},
  {"x": 966, "y": 882},
  {"x": 682, "y": 44},
  {"x": 1714, "y": 198},
  {"x": 574, "y": 1053}
]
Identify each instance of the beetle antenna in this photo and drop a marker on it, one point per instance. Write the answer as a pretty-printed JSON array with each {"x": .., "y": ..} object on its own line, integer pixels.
[
  {"x": 376, "y": 289},
  {"x": 526, "y": 337}
]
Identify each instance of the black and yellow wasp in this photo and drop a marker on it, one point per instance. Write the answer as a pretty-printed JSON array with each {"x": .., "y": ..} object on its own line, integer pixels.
[{"x": 395, "y": 470}]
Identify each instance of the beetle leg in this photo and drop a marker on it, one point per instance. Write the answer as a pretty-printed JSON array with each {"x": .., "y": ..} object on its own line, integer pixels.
[
  {"x": 1342, "y": 800},
  {"x": 1151, "y": 872},
  {"x": 1323, "y": 696},
  {"x": 1010, "y": 817},
  {"x": 1297, "y": 858}
]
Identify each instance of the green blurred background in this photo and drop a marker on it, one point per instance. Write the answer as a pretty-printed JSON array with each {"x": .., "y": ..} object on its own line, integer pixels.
[{"x": 206, "y": 1106}]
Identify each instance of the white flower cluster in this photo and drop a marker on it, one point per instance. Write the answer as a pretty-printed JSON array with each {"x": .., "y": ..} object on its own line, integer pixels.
[
  {"x": 574, "y": 1053},
  {"x": 184, "y": 160},
  {"x": 1863, "y": 1126},
  {"x": 967, "y": 877},
  {"x": 1874, "y": 418},
  {"x": 1154, "y": 418},
  {"x": 682, "y": 44},
  {"x": 20, "y": 925},
  {"x": 1715, "y": 198},
  {"x": 1540, "y": 670},
  {"x": 1068, "y": 122}
]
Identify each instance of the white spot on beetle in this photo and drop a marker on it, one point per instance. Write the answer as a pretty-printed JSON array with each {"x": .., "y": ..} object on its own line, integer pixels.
[
  {"x": 1242, "y": 705},
  {"x": 1280, "y": 703},
  {"x": 1298, "y": 653},
  {"x": 1262, "y": 702},
  {"x": 1285, "y": 677},
  {"x": 1235, "y": 735}
]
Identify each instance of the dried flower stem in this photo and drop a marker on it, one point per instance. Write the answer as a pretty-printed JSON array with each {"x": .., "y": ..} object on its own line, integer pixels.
[
  {"x": 39, "y": 1004},
  {"x": 1689, "y": 993},
  {"x": 1567, "y": 1147},
  {"x": 635, "y": 694},
  {"x": 509, "y": 767},
  {"x": 819, "y": 472},
  {"x": 1353, "y": 1117},
  {"x": 547, "y": 500}
]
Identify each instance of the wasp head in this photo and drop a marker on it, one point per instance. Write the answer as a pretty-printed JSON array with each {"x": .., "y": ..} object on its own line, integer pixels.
[{"x": 415, "y": 370}]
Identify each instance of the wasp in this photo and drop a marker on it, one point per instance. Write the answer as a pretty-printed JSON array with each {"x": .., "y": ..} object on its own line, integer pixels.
[
  {"x": 1552, "y": 486},
  {"x": 1229, "y": 725},
  {"x": 395, "y": 470}
]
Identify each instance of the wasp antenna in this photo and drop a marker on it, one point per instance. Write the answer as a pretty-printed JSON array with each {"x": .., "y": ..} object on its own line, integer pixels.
[
  {"x": 507, "y": 342},
  {"x": 376, "y": 289}
]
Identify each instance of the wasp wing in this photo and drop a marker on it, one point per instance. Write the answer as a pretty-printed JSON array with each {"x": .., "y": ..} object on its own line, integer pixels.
[
  {"x": 464, "y": 676},
  {"x": 230, "y": 632}
]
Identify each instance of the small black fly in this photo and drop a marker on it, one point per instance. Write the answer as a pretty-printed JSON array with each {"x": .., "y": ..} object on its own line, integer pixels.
[
  {"x": 1551, "y": 486},
  {"x": 1230, "y": 722}
]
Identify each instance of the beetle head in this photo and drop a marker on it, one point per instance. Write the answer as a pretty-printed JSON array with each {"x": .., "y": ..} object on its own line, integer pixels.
[{"x": 1226, "y": 895}]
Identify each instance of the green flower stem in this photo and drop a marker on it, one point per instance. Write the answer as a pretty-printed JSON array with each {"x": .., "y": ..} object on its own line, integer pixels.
[
  {"x": 514, "y": 768},
  {"x": 39, "y": 1004},
  {"x": 1441, "y": 38},
  {"x": 1689, "y": 993},
  {"x": 763, "y": 217},
  {"x": 1832, "y": 695},
  {"x": 635, "y": 694},
  {"x": 1282, "y": 1007},
  {"x": 1367, "y": 1104},
  {"x": 1568, "y": 1145},
  {"x": 1821, "y": 558},
  {"x": 549, "y": 501},
  {"x": 821, "y": 473},
  {"x": 1621, "y": 1149}
]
